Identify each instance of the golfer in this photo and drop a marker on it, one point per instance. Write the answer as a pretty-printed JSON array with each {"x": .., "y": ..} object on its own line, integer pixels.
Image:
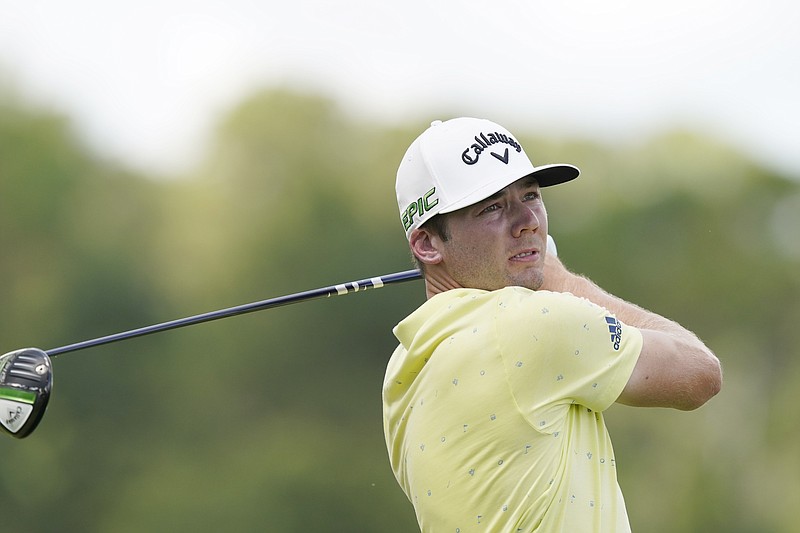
[{"x": 493, "y": 401}]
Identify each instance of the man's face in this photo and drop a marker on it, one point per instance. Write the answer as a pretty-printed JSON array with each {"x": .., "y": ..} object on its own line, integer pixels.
[{"x": 500, "y": 241}]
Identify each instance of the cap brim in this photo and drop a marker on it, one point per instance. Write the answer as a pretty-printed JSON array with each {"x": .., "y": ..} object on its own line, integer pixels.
[{"x": 546, "y": 175}]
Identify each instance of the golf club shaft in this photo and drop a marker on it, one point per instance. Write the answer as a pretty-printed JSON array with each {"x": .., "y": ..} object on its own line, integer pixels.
[{"x": 333, "y": 290}]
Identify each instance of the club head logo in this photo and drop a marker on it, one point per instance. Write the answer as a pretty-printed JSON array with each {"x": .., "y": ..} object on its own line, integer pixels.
[{"x": 14, "y": 415}]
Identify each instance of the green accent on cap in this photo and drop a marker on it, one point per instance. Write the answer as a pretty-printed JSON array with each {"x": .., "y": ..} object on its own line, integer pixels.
[{"x": 18, "y": 395}]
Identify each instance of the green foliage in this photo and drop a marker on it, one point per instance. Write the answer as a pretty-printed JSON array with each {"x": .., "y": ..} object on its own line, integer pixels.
[{"x": 272, "y": 421}]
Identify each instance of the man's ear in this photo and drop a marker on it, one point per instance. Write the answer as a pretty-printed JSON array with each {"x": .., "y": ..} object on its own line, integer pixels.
[{"x": 424, "y": 247}]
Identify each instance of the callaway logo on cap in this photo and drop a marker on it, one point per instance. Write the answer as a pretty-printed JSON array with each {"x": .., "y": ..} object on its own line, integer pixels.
[{"x": 459, "y": 162}]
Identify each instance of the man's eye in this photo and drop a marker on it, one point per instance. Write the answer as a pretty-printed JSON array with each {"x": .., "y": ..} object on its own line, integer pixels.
[
  {"x": 533, "y": 195},
  {"x": 490, "y": 208}
]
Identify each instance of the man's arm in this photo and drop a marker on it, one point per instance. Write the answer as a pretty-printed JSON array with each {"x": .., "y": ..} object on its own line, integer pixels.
[{"x": 675, "y": 369}]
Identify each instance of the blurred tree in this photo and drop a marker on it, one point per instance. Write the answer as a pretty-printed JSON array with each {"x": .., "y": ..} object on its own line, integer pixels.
[
  {"x": 74, "y": 232},
  {"x": 272, "y": 421}
]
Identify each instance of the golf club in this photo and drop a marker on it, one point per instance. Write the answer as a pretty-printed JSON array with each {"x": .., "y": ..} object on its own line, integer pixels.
[{"x": 26, "y": 375}]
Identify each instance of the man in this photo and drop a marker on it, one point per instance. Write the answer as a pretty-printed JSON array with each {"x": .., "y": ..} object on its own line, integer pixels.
[{"x": 493, "y": 400}]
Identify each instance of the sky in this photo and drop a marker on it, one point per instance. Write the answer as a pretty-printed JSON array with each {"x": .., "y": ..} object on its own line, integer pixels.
[{"x": 145, "y": 82}]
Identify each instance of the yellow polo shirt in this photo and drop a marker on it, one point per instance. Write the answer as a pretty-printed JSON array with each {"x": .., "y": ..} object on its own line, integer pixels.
[{"x": 492, "y": 409}]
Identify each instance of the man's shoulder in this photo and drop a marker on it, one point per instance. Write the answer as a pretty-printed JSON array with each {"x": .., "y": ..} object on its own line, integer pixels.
[
  {"x": 525, "y": 296},
  {"x": 520, "y": 308},
  {"x": 467, "y": 300}
]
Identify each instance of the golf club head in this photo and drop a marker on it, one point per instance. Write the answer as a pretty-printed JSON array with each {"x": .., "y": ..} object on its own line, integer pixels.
[{"x": 26, "y": 377}]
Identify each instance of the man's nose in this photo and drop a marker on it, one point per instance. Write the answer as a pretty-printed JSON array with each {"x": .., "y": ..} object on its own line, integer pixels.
[{"x": 525, "y": 218}]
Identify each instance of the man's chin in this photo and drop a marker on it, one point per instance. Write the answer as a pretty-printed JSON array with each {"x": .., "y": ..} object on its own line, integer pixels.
[{"x": 532, "y": 281}]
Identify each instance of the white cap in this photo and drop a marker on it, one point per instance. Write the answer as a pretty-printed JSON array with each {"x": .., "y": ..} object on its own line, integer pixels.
[{"x": 459, "y": 162}]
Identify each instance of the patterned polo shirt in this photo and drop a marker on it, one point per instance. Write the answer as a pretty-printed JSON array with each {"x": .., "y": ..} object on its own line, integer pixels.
[{"x": 493, "y": 408}]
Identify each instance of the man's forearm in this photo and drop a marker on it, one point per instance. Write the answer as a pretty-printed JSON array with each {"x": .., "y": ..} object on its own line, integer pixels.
[
  {"x": 675, "y": 368},
  {"x": 559, "y": 279}
]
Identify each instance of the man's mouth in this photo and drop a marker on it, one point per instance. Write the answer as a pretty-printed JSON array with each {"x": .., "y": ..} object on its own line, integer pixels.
[{"x": 523, "y": 255}]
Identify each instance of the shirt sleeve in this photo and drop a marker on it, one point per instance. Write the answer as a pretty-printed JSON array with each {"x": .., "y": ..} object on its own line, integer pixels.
[{"x": 559, "y": 349}]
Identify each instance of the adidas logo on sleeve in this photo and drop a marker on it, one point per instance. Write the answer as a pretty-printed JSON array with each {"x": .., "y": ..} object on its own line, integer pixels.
[{"x": 615, "y": 329}]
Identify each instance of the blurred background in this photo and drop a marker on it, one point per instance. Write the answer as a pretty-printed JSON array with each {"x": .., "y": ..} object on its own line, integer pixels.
[{"x": 159, "y": 160}]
